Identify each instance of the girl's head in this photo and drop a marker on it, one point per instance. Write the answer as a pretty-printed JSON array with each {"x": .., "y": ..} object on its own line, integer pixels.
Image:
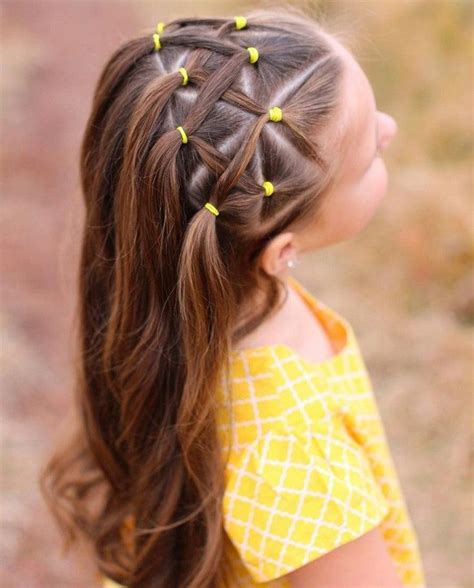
[{"x": 166, "y": 284}]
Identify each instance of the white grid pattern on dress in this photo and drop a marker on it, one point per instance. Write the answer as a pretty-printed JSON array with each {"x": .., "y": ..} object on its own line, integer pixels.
[{"x": 302, "y": 496}]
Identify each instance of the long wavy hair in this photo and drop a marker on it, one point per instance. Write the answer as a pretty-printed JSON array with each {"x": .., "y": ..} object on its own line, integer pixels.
[{"x": 164, "y": 284}]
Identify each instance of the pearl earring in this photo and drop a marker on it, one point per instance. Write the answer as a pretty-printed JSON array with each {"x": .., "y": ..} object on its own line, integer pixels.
[{"x": 292, "y": 262}]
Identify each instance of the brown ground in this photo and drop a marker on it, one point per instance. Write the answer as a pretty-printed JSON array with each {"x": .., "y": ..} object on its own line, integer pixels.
[{"x": 405, "y": 283}]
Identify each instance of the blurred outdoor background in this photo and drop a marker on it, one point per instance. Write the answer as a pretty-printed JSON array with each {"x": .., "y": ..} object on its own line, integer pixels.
[{"x": 405, "y": 283}]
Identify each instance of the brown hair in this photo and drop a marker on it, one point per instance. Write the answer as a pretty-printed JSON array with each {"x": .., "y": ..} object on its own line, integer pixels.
[{"x": 163, "y": 282}]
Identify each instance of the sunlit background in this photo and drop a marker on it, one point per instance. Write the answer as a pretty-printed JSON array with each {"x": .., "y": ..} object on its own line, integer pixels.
[{"x": 405, "y": 283}]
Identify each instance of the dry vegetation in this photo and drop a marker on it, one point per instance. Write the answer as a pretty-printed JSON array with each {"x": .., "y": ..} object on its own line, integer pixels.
[{"x": 405, "y": 283}]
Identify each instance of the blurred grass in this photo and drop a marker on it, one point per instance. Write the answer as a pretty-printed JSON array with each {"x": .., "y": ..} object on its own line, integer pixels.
[{"x": 405, "y": 283}]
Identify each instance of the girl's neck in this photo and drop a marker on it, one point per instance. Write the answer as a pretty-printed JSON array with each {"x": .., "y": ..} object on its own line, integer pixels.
[{"x": 281, "y": 326}]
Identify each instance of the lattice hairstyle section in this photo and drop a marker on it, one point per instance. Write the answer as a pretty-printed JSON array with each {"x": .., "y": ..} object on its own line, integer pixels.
[
  {"x": 230, "y": 150},
  {"x": 222, "y": 106}
]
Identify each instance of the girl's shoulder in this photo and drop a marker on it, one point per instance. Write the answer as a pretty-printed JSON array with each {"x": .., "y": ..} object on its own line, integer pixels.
[
  {"x": 272, "y": 389},
  {"x": 282, "y": 363},
  {"x": 273, "y": 386},
  {"x": 273, "y": 383}
]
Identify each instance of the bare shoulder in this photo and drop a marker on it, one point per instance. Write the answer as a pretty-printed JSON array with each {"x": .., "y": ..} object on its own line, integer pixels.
[{"x": 362, "y": 562}]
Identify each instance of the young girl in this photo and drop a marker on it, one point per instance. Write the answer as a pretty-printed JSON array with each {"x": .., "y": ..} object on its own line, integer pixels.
[{"x": 228, "y": 434}]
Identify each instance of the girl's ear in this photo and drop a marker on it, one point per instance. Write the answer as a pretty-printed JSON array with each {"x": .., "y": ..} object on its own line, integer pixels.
[{"x": 277, "y": 252}]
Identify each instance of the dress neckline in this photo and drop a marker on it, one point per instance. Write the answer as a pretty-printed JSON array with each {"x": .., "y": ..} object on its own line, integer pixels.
[{"x": 338, "y": 330}]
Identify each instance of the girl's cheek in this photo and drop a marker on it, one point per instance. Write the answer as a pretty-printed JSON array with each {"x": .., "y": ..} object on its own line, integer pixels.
[
  {"x": 369, "y": 194},
  {"x": 381, "y": 178},
  {"x": 374, "y": 185},
  {"x": 349, "y": 210}
]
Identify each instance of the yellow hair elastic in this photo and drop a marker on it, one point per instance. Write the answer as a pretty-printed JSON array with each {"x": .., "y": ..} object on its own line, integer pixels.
[
  {"x": 160, "y": 27},
  {"x": 211, "y": 208},
  {"x": 156, "y": 40},
  {"x": 253, "y": 52},
  {"x": 268, "y": 187},
  {"x": 240, "y": 22},
  {"x": 184, "y": 73},
  {"x": 184, "y": 137},
  {"x": 275, "y": 114}
]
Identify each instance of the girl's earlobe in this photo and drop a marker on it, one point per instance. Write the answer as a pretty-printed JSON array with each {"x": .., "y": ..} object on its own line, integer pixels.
[
  {"x": 287, "y": 254},
  {"x": 293, "y": 262}
]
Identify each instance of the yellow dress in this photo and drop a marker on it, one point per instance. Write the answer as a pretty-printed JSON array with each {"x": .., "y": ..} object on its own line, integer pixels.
[{"x": 309, "y": 467}]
